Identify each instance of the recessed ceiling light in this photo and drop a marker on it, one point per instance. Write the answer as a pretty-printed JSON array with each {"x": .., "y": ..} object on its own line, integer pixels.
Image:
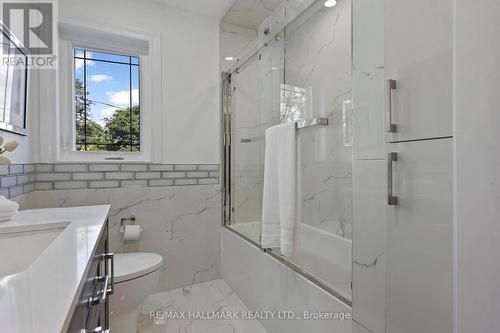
[
  {"x": 330, "y": 3},
  {"x": 230, "y": 58}
]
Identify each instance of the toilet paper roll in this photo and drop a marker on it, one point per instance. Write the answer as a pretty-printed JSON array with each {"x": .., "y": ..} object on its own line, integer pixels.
[{"x": 132, "y": 232}]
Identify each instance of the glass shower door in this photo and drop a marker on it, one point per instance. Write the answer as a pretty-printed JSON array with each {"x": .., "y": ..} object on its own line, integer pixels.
[
  {"x": 317, "y": 85},
  {"x": 246, "y": 151},
  {"x": 302, "y": 75}
]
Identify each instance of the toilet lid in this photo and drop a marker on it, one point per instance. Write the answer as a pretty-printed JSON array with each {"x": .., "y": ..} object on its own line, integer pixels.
[{"x": 129, "y": 266}]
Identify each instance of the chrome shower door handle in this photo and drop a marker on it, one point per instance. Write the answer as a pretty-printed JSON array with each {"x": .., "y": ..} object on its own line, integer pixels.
[
  {"x": 391, "y": 199},
  {"x": 391, "y": 85}
]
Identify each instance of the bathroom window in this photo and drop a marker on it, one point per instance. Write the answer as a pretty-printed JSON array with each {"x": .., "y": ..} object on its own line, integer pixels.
[
  {"x": 292, "y": 104},
  {"x": 107, "y": 108}
]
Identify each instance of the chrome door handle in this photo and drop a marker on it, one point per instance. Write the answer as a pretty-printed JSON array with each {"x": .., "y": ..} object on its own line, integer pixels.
[
  {"x": 391, "y": 199},
  {"x": 111, "y": 257},
  {"x": 391, "y": 85},
  {"x": 104, "y": 293}
]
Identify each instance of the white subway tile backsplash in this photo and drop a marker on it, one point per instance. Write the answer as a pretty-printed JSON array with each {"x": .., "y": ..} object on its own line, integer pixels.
[
  {"x": 197, "y": 174},
  {"x": 7, "y": 181},
  {"x": 174, "y": 174},
  {"x": 148, "y": 175},
  {"x": 28, "y": 168},
  {"x": 71, "y": 167},
  {"x": 208, "y": 181},
  {"x": 70, "y": 185},
  {"x": 4, "y": 169},
  {"x": 119, "y": 175},
  {"x": 48, "y": 177},
  {"x": 103, "y": 167},
  {"x": 88, "y": 176},
  {"x": 161, "y": 167},
  {"x": 16, "y": 168},
  {"x": 186, "y": 167},
  {"x": 24, "y": 178},
  {"x": 182, "y": 182},
  {"x": 208, "y": 167},
  {"x": 104, "y": 184},
  {"x": 44, "y": 186}
]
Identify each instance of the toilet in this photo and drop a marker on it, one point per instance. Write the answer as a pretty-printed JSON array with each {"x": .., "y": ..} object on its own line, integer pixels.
[{"x": 136, "y": 277}]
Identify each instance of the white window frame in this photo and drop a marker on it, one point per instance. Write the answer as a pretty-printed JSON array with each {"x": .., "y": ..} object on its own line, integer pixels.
[{"x": 149, "y": 84}]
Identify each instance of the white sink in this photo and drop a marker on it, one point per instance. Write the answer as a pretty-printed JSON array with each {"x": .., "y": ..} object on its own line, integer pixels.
[{"x": 20, "y": 246}]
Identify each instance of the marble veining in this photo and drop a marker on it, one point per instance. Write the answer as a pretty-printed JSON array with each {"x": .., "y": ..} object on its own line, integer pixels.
[
  {"x": 181, "y": 223},
  {"x": 369, "y": 264},
  {"x": 211, "y": 296}
]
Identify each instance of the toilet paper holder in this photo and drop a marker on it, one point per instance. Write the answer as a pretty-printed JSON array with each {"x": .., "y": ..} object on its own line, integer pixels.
[{"x": 124, "y": 220}]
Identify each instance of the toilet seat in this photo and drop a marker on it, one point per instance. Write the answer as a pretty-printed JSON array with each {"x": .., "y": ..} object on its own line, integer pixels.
[{"x": 129, "y": 266}]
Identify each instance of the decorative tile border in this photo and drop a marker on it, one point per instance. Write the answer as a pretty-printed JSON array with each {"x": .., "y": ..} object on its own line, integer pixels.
[{"x": 19, "y": 179}]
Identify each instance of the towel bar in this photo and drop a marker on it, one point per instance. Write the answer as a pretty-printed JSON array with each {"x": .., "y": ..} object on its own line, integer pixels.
[{"x": 307, "y": 123}]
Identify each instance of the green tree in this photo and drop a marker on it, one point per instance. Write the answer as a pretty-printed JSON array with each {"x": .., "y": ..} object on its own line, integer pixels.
[
  {"x": 123, "y": 129},
  {"x": 96, "y": 135}
]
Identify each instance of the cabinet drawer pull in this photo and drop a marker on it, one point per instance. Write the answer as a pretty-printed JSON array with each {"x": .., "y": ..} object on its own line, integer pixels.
[
  {"x": 111, "y": 257},
  {"x": 103, "y": 294},
  {"x": 391, "y": 85},
  {"x": 391, "y": 199}
]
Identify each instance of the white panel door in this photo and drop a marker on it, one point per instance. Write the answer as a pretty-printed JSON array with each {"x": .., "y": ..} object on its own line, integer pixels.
[
  {"x": 419, "y": 239},
  {"x": 418, "y": 56}
]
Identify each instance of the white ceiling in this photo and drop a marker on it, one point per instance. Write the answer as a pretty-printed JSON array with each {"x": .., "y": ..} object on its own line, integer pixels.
[
  {"x": 211, "y": 8},
  {"x": 244, "y": 13},
  {"x": 250, "y": 13}
]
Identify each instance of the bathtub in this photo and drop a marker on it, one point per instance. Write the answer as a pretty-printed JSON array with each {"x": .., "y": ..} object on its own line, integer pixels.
[{"x": 319, "y": 252}]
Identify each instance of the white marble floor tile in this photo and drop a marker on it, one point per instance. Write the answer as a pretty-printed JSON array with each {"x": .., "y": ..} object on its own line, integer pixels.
[{"x": 207, "y": 297}]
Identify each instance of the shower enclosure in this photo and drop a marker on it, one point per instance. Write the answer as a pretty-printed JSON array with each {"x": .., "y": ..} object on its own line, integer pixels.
[{"x": 299, "y": 71}]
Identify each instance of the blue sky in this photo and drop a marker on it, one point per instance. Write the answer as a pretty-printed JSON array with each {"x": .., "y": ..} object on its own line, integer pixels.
[{"x": 108, "y": 83}]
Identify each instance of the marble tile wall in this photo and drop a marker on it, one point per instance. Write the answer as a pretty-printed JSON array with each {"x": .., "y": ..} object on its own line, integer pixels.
[
  {"x": 264, "y": 284},
  {"x": 182, "y": 223}
]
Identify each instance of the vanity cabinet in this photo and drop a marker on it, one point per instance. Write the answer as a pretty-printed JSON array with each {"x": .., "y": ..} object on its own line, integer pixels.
[{"x": 92, "y": 310}]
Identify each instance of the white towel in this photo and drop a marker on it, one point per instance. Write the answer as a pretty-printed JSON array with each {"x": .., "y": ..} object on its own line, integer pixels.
[{"x": 278, "y": 207}]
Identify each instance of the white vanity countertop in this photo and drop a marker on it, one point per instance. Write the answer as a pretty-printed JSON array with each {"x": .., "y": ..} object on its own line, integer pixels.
[{"x": 42, "y": 298}]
